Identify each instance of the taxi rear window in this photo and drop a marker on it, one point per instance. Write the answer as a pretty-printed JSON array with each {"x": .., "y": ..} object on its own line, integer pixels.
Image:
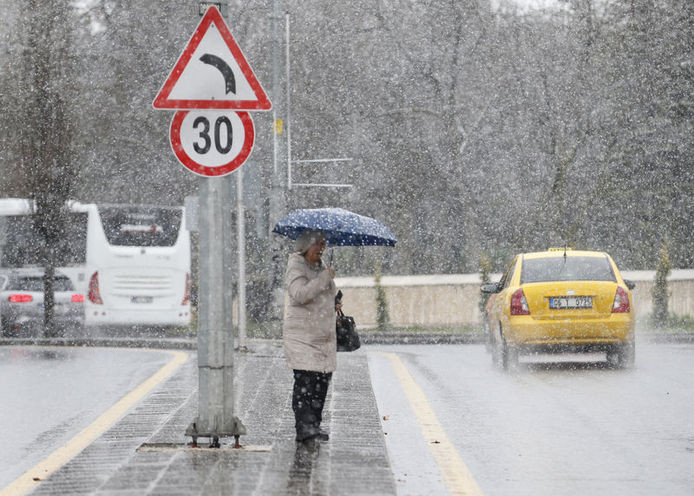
[{"x": 567, "y": 269}]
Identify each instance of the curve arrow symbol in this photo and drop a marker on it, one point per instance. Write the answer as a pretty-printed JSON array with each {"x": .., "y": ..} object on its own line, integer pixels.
[{"x": 223, "y": 67}]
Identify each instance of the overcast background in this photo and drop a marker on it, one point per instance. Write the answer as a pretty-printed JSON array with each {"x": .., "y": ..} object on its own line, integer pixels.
[{"x": 475, "y": 128}]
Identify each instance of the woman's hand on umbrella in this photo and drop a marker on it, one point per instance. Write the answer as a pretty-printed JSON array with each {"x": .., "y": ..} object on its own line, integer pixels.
[{"x": 331, "y": 271}]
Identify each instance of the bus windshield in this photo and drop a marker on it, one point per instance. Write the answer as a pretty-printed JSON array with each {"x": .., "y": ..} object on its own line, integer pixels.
[{"x": 140, "y": 225}]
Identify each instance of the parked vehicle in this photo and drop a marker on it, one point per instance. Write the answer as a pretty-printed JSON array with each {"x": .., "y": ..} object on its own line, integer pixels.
[
  {"x": 561, "y": 300},
  {"x": 132, "y": 262},
  {"x": 22, "y": 308}
]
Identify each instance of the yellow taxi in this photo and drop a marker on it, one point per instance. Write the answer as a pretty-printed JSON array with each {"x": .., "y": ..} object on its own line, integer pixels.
[{"x": 561, "y": 300}]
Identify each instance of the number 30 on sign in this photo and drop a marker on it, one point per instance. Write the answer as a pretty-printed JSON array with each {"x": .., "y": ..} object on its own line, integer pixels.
[{"x": 212, "y": 142}]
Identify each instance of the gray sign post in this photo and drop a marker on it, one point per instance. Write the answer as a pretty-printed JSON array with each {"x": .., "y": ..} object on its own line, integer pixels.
[
  {"x": 199, "y": 104},
  {"x": 215, "y": 335}
]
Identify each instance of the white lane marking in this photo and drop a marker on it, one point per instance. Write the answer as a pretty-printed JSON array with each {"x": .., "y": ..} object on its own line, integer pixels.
[{"x": 39, "y": 472}]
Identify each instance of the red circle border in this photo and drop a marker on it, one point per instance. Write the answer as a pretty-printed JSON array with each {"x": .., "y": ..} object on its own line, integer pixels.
[{"x": 204, "y": 170}]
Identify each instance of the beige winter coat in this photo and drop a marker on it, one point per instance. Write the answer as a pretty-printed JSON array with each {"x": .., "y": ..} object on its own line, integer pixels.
[{"x": 309, "y": 320}]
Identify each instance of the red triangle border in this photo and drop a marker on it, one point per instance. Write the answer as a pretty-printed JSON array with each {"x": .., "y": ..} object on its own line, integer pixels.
[{"x": 162, "y": 100}]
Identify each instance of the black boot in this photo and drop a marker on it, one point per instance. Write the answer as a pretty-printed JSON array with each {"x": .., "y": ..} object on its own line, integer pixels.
[{"x": 309, "y": 444}]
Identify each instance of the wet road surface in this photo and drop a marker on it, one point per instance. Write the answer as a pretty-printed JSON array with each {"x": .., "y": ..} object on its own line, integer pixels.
[
  {"x": 572, "y": 427},
  {"x": 566, "y": 427},
  {"x": 147, "y": 452},
  {"x": 51, "y": 394}
]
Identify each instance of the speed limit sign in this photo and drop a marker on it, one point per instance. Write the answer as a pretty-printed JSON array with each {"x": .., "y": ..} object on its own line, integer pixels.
[{"x": 212, "y": 142}]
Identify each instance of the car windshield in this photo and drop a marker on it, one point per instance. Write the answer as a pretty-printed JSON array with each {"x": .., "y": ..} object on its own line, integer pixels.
[
  {"x": 35, "y": 283},
  {"x": 566, "y": 269}
]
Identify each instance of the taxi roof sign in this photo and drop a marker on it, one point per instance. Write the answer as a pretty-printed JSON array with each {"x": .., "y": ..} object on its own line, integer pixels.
[{"x": 212, "y": 73}]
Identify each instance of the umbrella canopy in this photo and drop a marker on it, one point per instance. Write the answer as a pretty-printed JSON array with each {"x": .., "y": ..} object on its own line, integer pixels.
[{"x": 341, "y": 227}]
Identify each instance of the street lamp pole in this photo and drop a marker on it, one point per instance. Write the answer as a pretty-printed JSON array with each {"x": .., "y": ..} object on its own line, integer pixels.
[
  {"x": 277, "y": 200},
  {"x": 289, "y": 105},
  {"x": 241, "y": 249}
]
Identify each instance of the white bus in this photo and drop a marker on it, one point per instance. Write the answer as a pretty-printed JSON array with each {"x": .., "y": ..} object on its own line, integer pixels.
[{"x": 132, "y": 262}]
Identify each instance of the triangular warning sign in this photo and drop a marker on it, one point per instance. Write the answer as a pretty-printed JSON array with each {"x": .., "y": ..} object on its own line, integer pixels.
[{"x": 212, "y": 73}]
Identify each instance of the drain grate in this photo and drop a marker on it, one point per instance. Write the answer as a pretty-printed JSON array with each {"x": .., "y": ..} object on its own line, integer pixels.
[{"x": 161, "y": 447}]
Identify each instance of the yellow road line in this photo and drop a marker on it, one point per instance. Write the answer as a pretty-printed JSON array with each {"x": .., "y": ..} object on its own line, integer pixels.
[
  {"x": 456, "y": 475},
  {"x": 39, "y": 472}
]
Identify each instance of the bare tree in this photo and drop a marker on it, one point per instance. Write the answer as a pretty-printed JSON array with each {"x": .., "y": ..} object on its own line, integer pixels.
[
  {"x": 472, "y": 127},
  {"x": 44, "y": 128}
]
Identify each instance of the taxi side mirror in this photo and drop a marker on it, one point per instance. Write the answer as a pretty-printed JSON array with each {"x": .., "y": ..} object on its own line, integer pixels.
[
  {"x": 630, "y": 284},
  {"x": 490, "y": 288}
]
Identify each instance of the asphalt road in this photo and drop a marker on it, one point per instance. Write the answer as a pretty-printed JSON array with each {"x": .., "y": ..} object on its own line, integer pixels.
[
  {"x": 567, "y": 427},
  {"x": 50, "y": 394},
  {"x": 453, "y": 422}
]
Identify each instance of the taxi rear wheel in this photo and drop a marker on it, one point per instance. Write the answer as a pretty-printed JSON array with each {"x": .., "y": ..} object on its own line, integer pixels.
[
  {"x": 626, "y": 355},
  {"x": 509, "y": 358},
  {"x": 505, "y": 355},
  {"x": 622, "y": 355}
]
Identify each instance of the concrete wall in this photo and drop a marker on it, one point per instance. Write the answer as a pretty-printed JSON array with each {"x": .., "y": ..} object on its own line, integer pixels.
[
  {"x": 452, "y": 299},
  {"x": 680, "y": 286}
]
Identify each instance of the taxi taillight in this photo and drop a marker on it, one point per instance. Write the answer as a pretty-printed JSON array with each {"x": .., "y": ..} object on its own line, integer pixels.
[
  {"x": 621, "y": 301},
  {"x": 20, "y": 298},
  {"x": 77, "y": 298},
  {"x": 519, "y": 305}
]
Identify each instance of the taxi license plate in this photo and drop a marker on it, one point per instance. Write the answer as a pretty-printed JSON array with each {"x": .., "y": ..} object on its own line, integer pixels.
[
  {"x": 563, "y": 302},
  {"x": 141, "y": 299}
]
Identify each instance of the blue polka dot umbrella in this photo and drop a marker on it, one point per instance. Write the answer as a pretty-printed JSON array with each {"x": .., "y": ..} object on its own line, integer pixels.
[{"x": 341, "y": 227}]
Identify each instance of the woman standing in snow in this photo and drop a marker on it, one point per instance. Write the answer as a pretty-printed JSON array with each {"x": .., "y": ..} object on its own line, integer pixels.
[{"x": 309, "y": 333}]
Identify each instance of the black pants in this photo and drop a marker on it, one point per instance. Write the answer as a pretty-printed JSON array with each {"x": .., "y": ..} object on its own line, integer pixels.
[{"x": 308, "y": 399}]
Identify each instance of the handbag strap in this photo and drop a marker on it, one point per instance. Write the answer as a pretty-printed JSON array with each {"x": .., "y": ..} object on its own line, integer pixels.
[{"x": 340, "y": 313}]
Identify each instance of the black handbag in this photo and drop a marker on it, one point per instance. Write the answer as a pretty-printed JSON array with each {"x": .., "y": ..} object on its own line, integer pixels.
[{"x": 346, "y": 331}]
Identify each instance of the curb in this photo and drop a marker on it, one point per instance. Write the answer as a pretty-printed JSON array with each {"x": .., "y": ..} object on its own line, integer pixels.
[
  {"x": 680, "y": 338},
  {"x": 367, "y": 338},
  {"x": 420, "y": 338},
  {"x": 159, "y": 343}
]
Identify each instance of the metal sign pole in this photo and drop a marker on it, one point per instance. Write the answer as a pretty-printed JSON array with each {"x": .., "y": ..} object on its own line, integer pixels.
[
  {"x": 215, "y": 337},
  {"x": 216, "y": 198}
]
